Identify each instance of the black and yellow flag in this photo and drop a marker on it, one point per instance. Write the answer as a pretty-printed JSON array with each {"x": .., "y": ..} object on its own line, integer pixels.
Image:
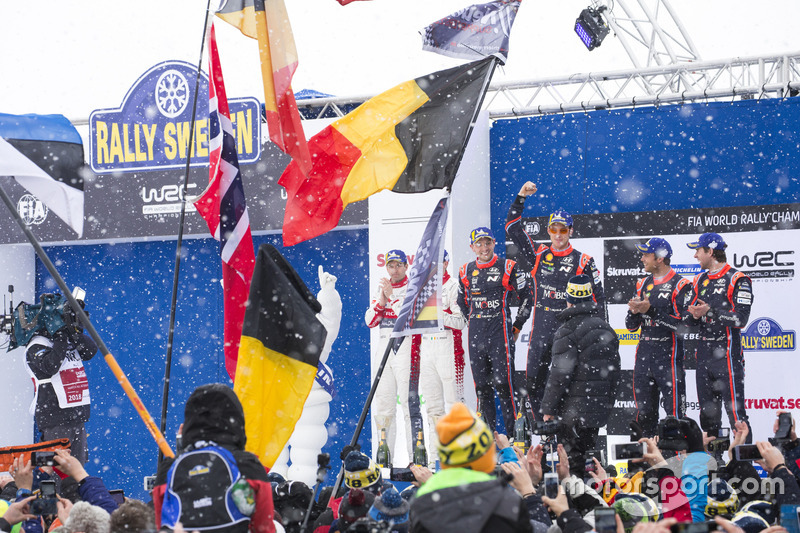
[{"x": 278, "y": 356}]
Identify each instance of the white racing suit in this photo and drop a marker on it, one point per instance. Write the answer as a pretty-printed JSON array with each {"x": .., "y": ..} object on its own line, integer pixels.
[
  {"x": 393, "y": 386},
  {"x": 438, "y": 383}
]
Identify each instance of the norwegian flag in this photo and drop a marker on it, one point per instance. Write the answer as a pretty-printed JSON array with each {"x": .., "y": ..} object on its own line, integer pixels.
[{"x": 223, "y": 207}]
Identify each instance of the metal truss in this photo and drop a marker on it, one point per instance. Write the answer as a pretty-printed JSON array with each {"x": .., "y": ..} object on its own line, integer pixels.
[
  {"x": 743, "y": 78},
  {"x": 738, "y": 78}
]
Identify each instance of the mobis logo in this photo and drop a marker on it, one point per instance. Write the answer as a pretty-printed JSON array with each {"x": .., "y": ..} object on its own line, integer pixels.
[
  {"x": 767, "y": 264},
  {"x": 765, "y": 334}
]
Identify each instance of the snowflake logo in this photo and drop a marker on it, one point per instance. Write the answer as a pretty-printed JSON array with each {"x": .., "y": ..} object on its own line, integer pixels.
[
  {"x": 172, "y": 93},
  {"x": 763, "y": 328}
]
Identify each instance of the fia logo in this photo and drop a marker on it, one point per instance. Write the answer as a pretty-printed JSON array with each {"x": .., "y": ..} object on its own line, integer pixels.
[{"x": 31, "y": 209}]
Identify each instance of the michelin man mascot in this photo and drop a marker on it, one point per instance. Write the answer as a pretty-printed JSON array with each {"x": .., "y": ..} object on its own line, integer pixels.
[{"x": 310, "y": 433}]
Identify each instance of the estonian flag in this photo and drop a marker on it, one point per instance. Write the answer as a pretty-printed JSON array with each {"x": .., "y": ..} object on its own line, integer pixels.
[
  {"x": 282, "y": 339},
  {"x": 44, "y": 153},
  {"x": 407, "y": 139}
]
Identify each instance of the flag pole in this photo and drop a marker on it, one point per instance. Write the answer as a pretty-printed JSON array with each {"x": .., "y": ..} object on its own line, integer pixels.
[
  {"x": 364, "y": 411},
  {"x": 84, "y": 319},
  {"x": 174, "y": 301},
  {"x": 486, "y": 83}
]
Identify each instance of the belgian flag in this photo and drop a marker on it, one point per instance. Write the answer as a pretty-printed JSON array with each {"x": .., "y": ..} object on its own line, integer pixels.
[
  {"x": 282, "y": 340},
  {"x": 407, "y": 139}
]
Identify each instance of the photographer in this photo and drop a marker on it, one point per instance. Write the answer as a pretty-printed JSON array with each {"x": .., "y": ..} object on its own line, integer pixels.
[
  {"x": 790, "y": 445},
  {"x": 55, "y": 362}
]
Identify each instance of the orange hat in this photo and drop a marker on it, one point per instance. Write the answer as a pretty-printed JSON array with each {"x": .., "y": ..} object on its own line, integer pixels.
[{"x": 465, "y": 441}]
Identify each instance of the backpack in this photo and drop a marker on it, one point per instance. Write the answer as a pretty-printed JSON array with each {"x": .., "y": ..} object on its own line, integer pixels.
[{"x": 205, "y": 491}]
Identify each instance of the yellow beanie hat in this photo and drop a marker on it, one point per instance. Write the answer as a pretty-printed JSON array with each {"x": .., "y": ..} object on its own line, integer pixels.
[{"x": 465, "y": 441}]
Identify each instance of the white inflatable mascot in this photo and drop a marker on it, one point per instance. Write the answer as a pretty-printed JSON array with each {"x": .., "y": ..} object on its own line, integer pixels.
[{"x": 310, "y": 433}]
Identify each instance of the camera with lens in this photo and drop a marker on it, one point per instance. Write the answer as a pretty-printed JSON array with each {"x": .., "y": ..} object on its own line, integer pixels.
[
  {"x": 52, "y": 313},
  {"x": 672, "y": 434}
]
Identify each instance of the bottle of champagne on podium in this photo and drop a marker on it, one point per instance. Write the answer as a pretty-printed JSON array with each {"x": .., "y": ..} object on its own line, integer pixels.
[
  {"x": 384, "y": 456},
  {"x": 522, "y": 440},
  {"x": 420, "y": 454}
]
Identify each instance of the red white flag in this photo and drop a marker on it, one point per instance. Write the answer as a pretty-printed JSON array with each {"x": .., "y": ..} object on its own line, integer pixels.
[{"x": 222, "y": 206}]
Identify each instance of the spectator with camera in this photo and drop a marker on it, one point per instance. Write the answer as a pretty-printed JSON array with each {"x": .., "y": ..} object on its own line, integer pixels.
[{"x": 55, "y": 362}]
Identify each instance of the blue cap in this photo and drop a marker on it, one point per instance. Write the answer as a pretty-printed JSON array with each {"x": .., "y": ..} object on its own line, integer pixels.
[
  {"x": 480, "y": 233},
  {"x": 396, "y": 255},
  {"x": 446, "y": 256},
  {"x": 709, "y": 240},
  {"x": 559, "y": 216},
  {"x": 657, "y": 246}
]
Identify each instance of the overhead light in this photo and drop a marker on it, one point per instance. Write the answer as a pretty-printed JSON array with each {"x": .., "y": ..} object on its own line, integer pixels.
[{"x": 591, "y": 27}]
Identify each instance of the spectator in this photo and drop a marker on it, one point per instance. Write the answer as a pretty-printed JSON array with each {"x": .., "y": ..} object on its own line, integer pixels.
[
  {"x": 133, "y": 516},
  {"x": 213, "y": 414},
  {"x": 584, "y": 375},
  {"x": 464, "y": 497}
]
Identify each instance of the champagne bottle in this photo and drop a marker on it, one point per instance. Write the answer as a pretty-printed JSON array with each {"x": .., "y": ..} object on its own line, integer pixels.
[
  {"x": 383, "y": 457},
  {"x": 420, "y": 454},
  {"x": 521, "y": 430}
]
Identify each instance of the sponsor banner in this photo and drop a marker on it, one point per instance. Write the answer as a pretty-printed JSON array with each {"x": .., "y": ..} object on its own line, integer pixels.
[
  {"x": 153, "y": 126},
  {"x": 138, "y": 194},
  {"x": 765, "y": 334}
]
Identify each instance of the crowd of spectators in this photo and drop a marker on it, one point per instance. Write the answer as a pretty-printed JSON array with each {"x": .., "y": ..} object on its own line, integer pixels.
[{"x": 483, "y": 484}]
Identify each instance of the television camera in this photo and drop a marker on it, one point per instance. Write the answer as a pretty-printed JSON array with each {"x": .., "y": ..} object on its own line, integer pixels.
[{"x": 52, "y": 313}]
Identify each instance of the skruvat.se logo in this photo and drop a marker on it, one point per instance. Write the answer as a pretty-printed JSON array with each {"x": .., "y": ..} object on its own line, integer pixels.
[{"x": 765, "y": 334}]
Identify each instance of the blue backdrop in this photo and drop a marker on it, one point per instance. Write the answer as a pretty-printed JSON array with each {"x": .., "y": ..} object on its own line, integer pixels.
[
  {"x": 671, "y": 157},
  {"x": 128, "y": 290}
]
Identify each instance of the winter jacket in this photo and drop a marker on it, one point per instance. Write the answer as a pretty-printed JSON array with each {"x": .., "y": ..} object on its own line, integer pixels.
[
  {"x": 459, "y": 500},
  {"x": 94, "y": 491},
  {"x": 570, "y": 521},
  {"x": 213, "y": 413},
  {"x": 790, "y": 495},
  {"x": 585, "y": 369}
]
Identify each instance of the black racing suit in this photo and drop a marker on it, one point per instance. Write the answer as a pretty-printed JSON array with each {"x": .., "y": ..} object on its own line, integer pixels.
[
  {"x": 483, "y": 295},
  {"x": 659, "y": 354},
  {"x": 550, "y": 271},
  {"x": 720, "y": 359}
]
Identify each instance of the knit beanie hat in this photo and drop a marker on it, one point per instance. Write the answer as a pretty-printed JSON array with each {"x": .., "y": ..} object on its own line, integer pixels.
[
  {"x": 390, "y": 507},
  {"x": 355, "y": 505},
  {"x": 579, "y": 289},
  {"x": 465, "y": 441},
  {"x": 360, "y": 471},
  {"x": 88, "y": 518}
]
